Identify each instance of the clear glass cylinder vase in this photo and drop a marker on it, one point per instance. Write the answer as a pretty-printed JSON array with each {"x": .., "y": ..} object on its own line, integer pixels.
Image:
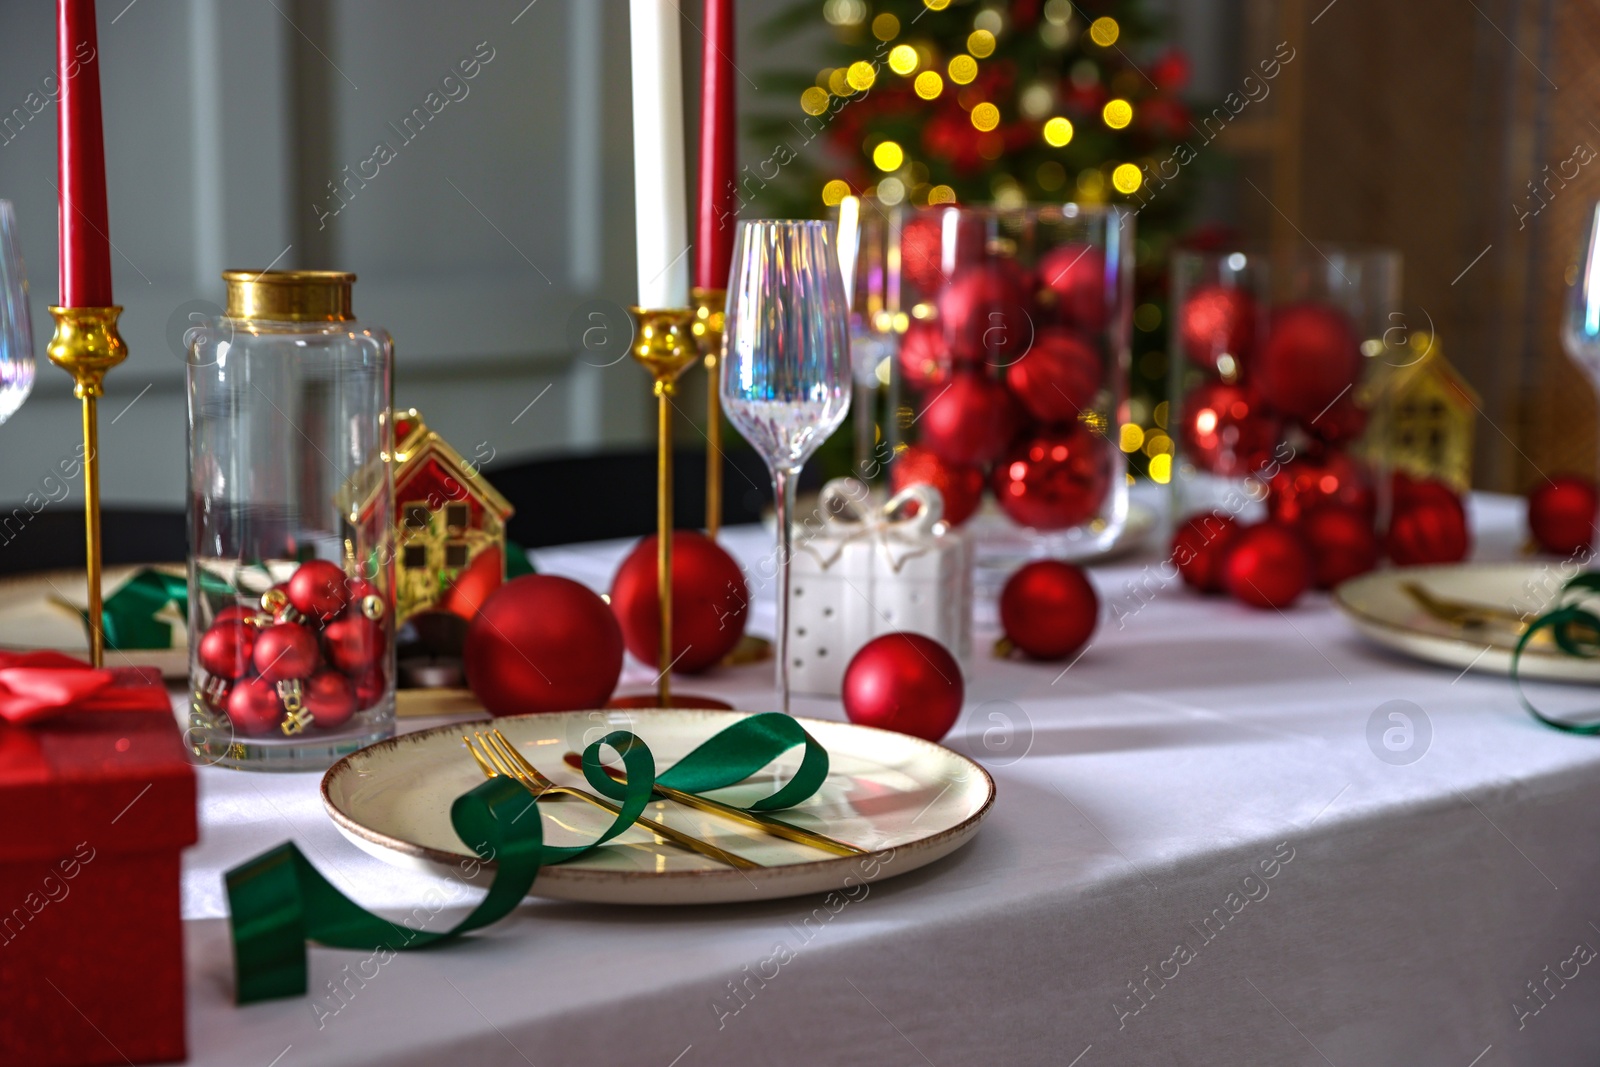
[{"x": 291, "y": 606}]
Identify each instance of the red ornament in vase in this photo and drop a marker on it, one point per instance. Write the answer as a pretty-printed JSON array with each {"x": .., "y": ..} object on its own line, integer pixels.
[
  {"x": 961, "y": 485},
  {"x": 254, "y": 707},
  {"x": 924, "y": 357},
  {"x": 1268, "y": 565},
  {"x": 1048, "y": 609},
  {"x": 227, "y": 648},
  {"x": 986, "y": 313},
  {"x": 1076, "y": 275},
  {"x": 1058, "y": 378},
  {"x": 354, "y": 643},
  {"x": 318, "y": 590},
  {"x": 331, "y": 699},
  {"x": 1217, "y": 328},
  {"x": 1054, "y": 480},
  {"x": 1310, "y": 359},
  {"x": 1561, "y": 514},
  {"x": 970, "y": 421},
  {"x": 286, "y": 651},
  {"x": 904, "y": 682},
  {"x": 1200, "y": 550},
  {"x": 1226, "y": 430},
  {"x": 710, "y": 602}
]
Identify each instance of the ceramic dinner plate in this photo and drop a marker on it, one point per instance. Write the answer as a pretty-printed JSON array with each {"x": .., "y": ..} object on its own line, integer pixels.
[
  {"x": 907, "y": 801},
  {"x": 34, "y": 615},
  {"x": 1380, "y": 608}
]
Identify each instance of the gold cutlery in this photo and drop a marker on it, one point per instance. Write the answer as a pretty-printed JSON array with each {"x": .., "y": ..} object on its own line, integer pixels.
[
  {"x": 765, "y": 823},
  {"x": 1466, "y": 614},
  {"x": 498, "y": 756}
]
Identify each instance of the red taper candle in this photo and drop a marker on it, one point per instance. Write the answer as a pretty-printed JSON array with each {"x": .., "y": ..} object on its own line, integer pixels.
[
  {"x": 713, "y": 248},
  {"x": 81, "y": 161}
]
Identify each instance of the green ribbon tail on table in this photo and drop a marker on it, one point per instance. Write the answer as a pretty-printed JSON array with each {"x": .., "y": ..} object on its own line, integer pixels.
[
  {"x": 129, "y": 613},
  {"x": 1576, "y": 632},
  {"x": 278, "y": 901}
]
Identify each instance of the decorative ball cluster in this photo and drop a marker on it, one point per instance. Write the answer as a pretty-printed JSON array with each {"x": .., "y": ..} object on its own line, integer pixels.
[{"x": 309, "y": 653}]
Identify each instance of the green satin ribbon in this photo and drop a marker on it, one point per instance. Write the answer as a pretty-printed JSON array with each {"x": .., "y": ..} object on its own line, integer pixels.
[
  {"x": 278, "y": 901},
  {"x": 517, "y": 561},
  {"x": 1576, "y": 632},
  {"x": 128, "y": 615}
]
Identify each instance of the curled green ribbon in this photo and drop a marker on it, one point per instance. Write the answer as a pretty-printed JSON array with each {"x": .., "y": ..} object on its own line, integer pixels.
[{"x": 1576, "y": 632}]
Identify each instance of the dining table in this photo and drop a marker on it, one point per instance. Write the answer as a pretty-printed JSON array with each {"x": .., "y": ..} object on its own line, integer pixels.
[{"x": 1201, "y": 851}]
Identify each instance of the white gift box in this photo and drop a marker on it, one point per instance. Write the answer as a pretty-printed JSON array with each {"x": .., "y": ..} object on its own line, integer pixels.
[{"x": 866, "y": 572}]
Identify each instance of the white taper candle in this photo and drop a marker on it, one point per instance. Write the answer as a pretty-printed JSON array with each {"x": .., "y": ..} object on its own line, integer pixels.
[{"x": 660, "y": 194}]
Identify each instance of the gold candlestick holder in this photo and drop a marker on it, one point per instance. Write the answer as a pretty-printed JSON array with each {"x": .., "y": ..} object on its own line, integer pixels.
[
  {"x": 709, "y": 316},
  {"x": 86, "y": 345}
]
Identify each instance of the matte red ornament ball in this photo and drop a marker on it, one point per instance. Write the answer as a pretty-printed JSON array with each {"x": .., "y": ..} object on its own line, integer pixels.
[
  {"x": 904, "y": 682},
  {"x": 1054, "y": 480},
  {"x": 253, "y": 707},
  {"x": 960, "y": 484},
  {"x": 924, "y": 356},
  {"x": 1429, "y": 525},
  {"x": 225, "y": 649},
  {"x": 1561, "y": 514},
  {"x": 318, "y": 589},
  {"x": 1218, "y": 321},
  {"x": 1341, "y": 422},
  {"x": 1200, "y": 548},
  {"x": 1308, "y": 481},
  {"x": 1056, "y": 380},
  {"x": 1310, "y": 359},
  {"x": 1049, "y": 609},
  {"x": 1227, "y": 430},
  {"x": 969, "y": 421},
  {"x": 986, "y": 312},
  {"x": 370, "y": 688},
  {"x": 236, "y": 613},
  {"x": 710, "y": 602},
  {"x": 1076, "y": 274},
  {"x": 331, "y": 699},
  {"x": 284, "y": 651},
  {"x": 543, "y": 643},
  {"x": 1268, "y": 565},
  {"x": 354, "y": 643},
  {"x": 1342, "y": 541}
]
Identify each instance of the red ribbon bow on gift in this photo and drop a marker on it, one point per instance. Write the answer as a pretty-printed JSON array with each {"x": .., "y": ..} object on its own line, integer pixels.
[{"x": 35, "y": 686}]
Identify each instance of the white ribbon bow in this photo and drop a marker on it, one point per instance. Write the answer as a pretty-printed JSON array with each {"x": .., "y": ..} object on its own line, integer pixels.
[{"x": 847, "y": 517}]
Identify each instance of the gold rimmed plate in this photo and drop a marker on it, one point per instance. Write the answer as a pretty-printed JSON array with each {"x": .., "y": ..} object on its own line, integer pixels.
[{"x": 908, "y": 801}]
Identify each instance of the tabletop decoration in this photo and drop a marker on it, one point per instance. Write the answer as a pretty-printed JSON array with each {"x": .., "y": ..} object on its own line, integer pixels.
[
  {"x": 959, "y": 486},
  {"x": 1048, "y": 610},
  {"x": 291, "y": 476},
  {"x": 1268, "y": 565},
  {"x": 87, "y": 343},
  {"x": 1342, "y": 543},
  {"x": 278, "y": 900},
  {"x": 871, "y": 569},
  {"x": 543, "y": 643},
  {"x": 718, "y": 203},
  {"x": 1562, "y": 512},
  {"x": 1428, "y": 524},
  {"x": 98, "y": 799},
  {"x": 1200, "y": 547},
  {"x": 710, "y": 602},
  {"x": 1575, "y": 627},
  {"x": 906, "y": 682}
]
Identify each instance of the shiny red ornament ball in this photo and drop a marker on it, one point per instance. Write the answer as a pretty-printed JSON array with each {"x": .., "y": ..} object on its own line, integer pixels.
[
  {"x": 1076, "y": 274},
  {"x": 1311, "y": 357},
  {"x": 924, "y": 357},
  {"x": 1307, "y": 481},
  {"x": 1561, "y": 514},
  {"x": 254, "y": 707},
  {"x": 1216, "y": 322},
  {"x": 331, "y": 699},
  {"x": 904, "y": 682},
  {"x": 1342, "y": 541},
  {"x": 1056, "y": 380},
  {"x": 710, "y": 602},
  {"x": 542, "y": 643},
  {"x": 1268, "y": 565},
  {"x": 986, "y": 313},
  {"x": 969, "y": 421},
  {"x": 318, "y": 589},
  {"x": 354, "y": 643},
  {"x": 284, "y": 651},
  {"x": 1049, "y": 609},
  {"x": 225, "y": 649},
  {"x": 1226, "y": 430},
  {"x": 1200, "y": 549},
  {"x": 1054, "y": 480},
  {"x": 959, "y": 484},
  {"x": 1429, "y": 524}
]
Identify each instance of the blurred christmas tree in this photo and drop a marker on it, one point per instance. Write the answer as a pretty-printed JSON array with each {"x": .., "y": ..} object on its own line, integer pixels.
[{"x": 994, "y": 101}]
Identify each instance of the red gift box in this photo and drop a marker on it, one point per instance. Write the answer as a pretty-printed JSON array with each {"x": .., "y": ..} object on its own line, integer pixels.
[{"x": 97, "y": 799}]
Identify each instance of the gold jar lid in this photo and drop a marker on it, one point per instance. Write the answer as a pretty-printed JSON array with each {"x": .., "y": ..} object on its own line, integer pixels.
[{"x": 289, "y": 295}]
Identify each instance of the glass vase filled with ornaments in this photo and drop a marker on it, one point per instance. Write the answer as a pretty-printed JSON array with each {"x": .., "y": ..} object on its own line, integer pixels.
[{"x": 291, "y": 610}]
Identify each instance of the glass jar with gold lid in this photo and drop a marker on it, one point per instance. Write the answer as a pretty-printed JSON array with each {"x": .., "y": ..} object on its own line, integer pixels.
[{"x": 291, "y": 629}]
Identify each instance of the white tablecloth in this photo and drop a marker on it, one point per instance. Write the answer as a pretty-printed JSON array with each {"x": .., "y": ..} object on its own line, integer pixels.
[{"x": 1115, "y": 909}]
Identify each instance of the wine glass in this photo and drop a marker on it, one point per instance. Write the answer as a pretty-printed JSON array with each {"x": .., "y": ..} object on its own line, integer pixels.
[
  {"x": 785, "y": 365},
  {"x": 16, "y": 324},
  {"x": 1580, "y": 327},
  {"x": 869, "y": 255}
]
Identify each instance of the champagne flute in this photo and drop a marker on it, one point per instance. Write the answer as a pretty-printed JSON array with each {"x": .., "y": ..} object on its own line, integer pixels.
[
  {"x": 785, "y": 365},
  {"x": 16, "y": 323}
]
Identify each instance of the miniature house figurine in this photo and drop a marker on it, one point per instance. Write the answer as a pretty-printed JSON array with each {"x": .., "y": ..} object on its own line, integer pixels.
[
  {"x": 1423, "y": 415},
  {"x": 447, "y": 518}
]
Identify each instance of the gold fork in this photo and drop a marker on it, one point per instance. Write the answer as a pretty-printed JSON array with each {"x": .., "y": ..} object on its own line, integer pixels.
[
  {"x": 500, "y": 757},
  {"x": 1462, "y": 613}
]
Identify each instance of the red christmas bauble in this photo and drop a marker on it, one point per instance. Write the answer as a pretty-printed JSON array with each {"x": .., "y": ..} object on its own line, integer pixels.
[
  {"x": 1267, "y": 565},
  {"x": 254, "y": 707},
  {"x": 1057, "y": 379},
  {"x": 1200, "y": 550},
  {"x": 237, "y": 613},
  {"x": 354, "y": 643},
  {"x": 1342, "y": 542},
  {"x": 370, "y": 688},
  {"x": 318, "y": 589},
  {"x": 1049, "y": 609},
  {"x": 1311, "y": 357},
  {"x": 1226, "y": 430},
  {"x": 225, "y": 649},
  {"x": 1218, "y": 321},
  {"x": 1341, "y": 423},
  {"x": 472, "y": 585},
  {"x": 542, "y": 643},
  {"x": 904, "y": 682},
  {"x": 986, "y": 313},
  {"x": 285, "y": 650},
  {"x": 331, "y": 699},
  {"x": 960, "y": 485},
  {"x": 1307, "y": 481},
  {"x": 1561, "y": 514},
  {"x": 1429, "y": 524},
  {"x": 710, "y": 602},
  {"x": 1054, "y": 480},
  {"x": 922, "y": 251},
  {"x": 924, "y": 356},
  {"x": 1076, "y": 274},
  {"x": 969, "y": 421}
]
